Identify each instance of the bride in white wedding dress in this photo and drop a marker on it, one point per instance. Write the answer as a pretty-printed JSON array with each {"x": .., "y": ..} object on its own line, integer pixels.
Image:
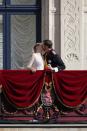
[{"x": 36, "y": 62}]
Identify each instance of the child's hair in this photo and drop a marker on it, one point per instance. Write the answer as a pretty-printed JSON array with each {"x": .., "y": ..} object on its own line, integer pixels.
[{"x": 35, "y": 47}]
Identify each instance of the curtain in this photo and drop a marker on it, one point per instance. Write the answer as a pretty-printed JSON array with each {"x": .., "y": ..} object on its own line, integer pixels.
[
  {"x": 23, "y": 88},
  {"x": 70, "y": 87},
  {"x": 23, "y": 38},
  {"x": 24, "y": 2}
]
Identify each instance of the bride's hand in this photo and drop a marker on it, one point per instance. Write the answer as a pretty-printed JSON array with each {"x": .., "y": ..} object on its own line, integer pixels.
[{"x": 33, "y": 69}]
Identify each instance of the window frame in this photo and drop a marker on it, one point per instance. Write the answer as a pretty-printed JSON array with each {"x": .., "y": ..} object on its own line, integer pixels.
[{"x": 6, "y": 9}]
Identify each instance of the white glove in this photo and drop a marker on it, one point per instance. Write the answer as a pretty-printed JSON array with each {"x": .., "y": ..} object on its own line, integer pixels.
[{"x": 55, "y": 69}]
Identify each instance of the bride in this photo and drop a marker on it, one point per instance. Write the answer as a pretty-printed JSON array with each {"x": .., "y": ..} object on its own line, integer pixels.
[{"x": 36, "y": 62}]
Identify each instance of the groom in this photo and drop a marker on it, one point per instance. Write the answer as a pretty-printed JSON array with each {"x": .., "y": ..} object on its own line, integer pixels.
[
  {"x": 56, "y": 64},
  {"x": 53, "y": 61},
  {"x": 51, "y": 58}
]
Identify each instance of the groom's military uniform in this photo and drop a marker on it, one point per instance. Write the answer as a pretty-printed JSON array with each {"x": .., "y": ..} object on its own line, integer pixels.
[{"x": 54, "y": 59}]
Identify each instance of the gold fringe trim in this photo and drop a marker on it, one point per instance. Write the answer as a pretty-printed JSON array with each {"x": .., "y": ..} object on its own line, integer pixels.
[
  {"x": 29, "y": 105},
  {"x": 61, "y": 100}
]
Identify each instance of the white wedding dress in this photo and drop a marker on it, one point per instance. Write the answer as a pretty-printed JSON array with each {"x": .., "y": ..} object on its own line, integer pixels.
[{"x": 36, "y": 62}]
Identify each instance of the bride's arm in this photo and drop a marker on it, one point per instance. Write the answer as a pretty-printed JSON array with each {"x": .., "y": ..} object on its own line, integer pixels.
[{"x": 29, "y": 66}]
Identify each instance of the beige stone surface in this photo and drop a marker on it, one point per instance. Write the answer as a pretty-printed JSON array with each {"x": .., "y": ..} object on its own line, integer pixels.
[{"x": 43, "y": 129}]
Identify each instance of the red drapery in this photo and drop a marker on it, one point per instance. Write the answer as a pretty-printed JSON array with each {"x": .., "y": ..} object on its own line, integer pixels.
[
  {"x": 23, "y": 88},
  {"x": 71, "y": 87}
]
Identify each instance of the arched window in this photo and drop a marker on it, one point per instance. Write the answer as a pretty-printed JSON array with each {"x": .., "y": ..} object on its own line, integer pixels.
[{"x": 20, "y": 29}]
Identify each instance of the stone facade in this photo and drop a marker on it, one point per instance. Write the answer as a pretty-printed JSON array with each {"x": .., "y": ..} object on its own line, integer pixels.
[
  {"x": 70, "y": 33},
  {"x": 64, "y": 24},
  {"x": 85, "y": 33}
]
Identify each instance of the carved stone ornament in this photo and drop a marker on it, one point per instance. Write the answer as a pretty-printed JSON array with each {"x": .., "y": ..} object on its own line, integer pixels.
[{"x": 71, "y": 30}]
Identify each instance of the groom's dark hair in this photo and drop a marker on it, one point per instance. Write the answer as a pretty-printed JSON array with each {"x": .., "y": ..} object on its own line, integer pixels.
[{"x": 48, "y": 43}]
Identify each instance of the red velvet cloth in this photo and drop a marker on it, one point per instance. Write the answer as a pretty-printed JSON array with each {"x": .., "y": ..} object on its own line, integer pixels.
[
  {"x": 23, "y": 88},
  {"x": 71, "y": 87}
]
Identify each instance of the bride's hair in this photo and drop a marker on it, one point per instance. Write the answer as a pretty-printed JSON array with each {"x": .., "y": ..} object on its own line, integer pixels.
[{"x": 35, "y": 47}]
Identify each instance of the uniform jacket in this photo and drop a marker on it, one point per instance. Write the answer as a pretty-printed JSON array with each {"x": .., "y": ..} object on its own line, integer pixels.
[{"x": 54, "y": 59}]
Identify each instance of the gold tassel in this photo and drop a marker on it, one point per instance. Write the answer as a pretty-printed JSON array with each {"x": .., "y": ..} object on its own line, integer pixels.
[{"x": 45, "y": 63}]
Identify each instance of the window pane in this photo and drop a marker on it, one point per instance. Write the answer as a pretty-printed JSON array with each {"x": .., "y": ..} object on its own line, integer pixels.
[
  {"x": 23, "y": 38},
  {"x": 1, "y": 43},
  {"x": 1, "y": 2},
  {"x": 23, "y": 2}
]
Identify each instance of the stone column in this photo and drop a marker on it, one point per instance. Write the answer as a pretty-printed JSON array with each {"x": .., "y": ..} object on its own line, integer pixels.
[
  {"x": 45, "y": 19},
  {"x": 71, "y": 27},
  {"x": 52, "y": 11},
  {"x": 85, "y": 32},
  {"x": 54, "y": 24},
  {"x": 51, "y": 22},
  {"x": 48, "y": 20},
  {"x": 58, "y": 27}
]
